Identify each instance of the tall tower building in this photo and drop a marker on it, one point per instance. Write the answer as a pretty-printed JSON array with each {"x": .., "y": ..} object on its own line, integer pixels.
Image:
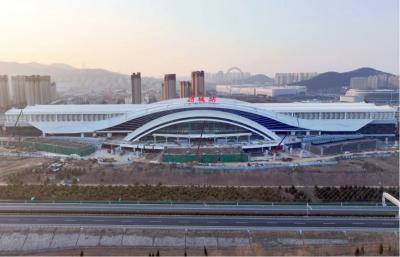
[
  {"x": 136, "y": 83},
  {"x": 37, "y": 89},
  {"x": 32, "y": 90},
  {"x": 198, "y": 83},
  {"x": 18, "y": 90},
  {"x": 186, "y": 89},
  {"x": 53, "y": 91},
  {"x": 4, "y": 92},
  {"x": 168, "y": 88}
]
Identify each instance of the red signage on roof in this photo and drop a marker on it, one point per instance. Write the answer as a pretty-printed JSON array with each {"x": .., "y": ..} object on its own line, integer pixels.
[{"x": 202, "y": 99}]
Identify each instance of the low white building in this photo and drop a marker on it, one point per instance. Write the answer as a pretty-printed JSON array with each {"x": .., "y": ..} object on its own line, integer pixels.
[{"x": 260, "y": 90}]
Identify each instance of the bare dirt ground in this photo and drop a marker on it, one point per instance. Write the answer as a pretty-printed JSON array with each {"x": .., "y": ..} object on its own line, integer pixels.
[
  {"x": 12, "y": 165},
  {"x": 368, "y": 172}
]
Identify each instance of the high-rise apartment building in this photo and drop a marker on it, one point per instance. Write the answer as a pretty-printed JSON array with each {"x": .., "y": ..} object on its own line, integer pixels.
[
  {"x": 53, "y": 91},
  {"x": 37, "y": 89},
  {"x": 4, "y": 92},
  {"x": 282, "y": 79},
  {"x": 186, "y": 89},
  {"x": 198, "y": 83},
  {"x": 359, "y": 82},
  {"x": 136, "y": 83},
  {"x": 382, "y": 81},
  {"x": 18, "y": 90},
  {"x": 393, "y": 82},
  {"x": 31, "y": 90},
  {"x": 168, "y": 88}
]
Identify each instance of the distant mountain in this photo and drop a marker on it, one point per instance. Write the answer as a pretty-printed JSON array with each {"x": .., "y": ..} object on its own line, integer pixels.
[
  {"x": 333, "y": 81},
  {"x": 68, "y": 77},
  {"x": 260, "y": 79}
]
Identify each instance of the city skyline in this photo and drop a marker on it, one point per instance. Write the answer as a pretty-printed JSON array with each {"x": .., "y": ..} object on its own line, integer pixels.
[{"x": 257, "y": 36}]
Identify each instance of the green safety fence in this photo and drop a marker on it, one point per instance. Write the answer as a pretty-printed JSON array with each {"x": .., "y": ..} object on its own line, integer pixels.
[{"x": 60, "y": 149}]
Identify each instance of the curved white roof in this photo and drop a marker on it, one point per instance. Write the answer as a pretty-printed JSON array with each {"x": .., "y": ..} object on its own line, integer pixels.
[{"x": 272, "y": 107}]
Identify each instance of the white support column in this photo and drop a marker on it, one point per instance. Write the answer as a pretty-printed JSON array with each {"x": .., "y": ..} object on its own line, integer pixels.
[{"x": 392, "y": 199}]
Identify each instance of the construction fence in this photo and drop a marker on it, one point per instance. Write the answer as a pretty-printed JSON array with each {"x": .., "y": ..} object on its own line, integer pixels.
[
  {"x": 59, "y": 146},
  {"x": 206, "y": 158}
]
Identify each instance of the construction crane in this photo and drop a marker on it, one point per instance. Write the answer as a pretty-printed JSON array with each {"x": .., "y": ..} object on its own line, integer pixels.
[
  {"x": 15, "y": 127},
  {"x": 276, "y": 148},
  {"x": 201, "y": 137}
]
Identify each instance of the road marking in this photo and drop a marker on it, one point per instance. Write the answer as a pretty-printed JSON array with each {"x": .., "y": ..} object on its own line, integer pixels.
[
  {"x": 155, "y": 221},
  {"x": 183, "y": 221},
  {"x": 212, "y": 222},
  {"x": 357, "y": 223},
  {"x": 13, "y": 220},
  {"x": 388, "y": 223},
  {"x": 241, "y": 222},
  {"x": 272, "y": 222},
  {"x": 98, "y": 220},
  {"x": 70, "y": 220},
  {"x": 42, "y": 220},
  {"x": 299, "y": 223},
  {"x": 329, "y": 223},
  {"x": 126, "y": 221}
]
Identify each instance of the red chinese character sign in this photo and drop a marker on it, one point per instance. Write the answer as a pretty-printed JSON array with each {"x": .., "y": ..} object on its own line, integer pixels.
[
  {"x": 202, "y": 99},
  {"x": 190, "y": 99}
]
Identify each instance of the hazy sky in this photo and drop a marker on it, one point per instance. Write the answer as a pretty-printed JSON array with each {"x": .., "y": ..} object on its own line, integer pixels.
[{"x": 166, "y": 36}]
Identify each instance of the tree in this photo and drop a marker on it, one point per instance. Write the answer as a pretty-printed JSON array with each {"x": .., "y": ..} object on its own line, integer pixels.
[
  {"x": 380, "y": 249},
  {"x": 185, "y": 254},
  {"x": 357, "y": 252},
  {"x": 82, "y": 254},
  {"x": 205, "y": 251},
  {"x": 158, "y": 253}
]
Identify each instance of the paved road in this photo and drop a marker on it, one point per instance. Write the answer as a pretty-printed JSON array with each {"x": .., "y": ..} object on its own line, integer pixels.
[
  {"x": 326, "y": 223},
  {"x": 103, "y": 208}
]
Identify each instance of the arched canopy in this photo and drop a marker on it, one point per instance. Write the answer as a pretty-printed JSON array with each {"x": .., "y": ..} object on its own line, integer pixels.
[{"x": 208, "y": 115}]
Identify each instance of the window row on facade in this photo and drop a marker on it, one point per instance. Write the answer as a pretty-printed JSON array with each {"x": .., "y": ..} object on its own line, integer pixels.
[
  {"x": 341, "y": 115},
  {"x": 61, "y": 117},
  {"x": 300, "y": 115}
]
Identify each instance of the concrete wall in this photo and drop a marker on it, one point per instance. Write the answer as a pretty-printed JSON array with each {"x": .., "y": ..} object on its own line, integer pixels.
[{"x": 340, "y": 148}]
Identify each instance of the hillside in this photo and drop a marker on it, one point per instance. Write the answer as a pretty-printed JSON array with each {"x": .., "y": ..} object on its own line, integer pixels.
[
  {"x": 68, "y": 77},
  {"x": 333, "y": 81},
  {"x": 260, "y": 79}
]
